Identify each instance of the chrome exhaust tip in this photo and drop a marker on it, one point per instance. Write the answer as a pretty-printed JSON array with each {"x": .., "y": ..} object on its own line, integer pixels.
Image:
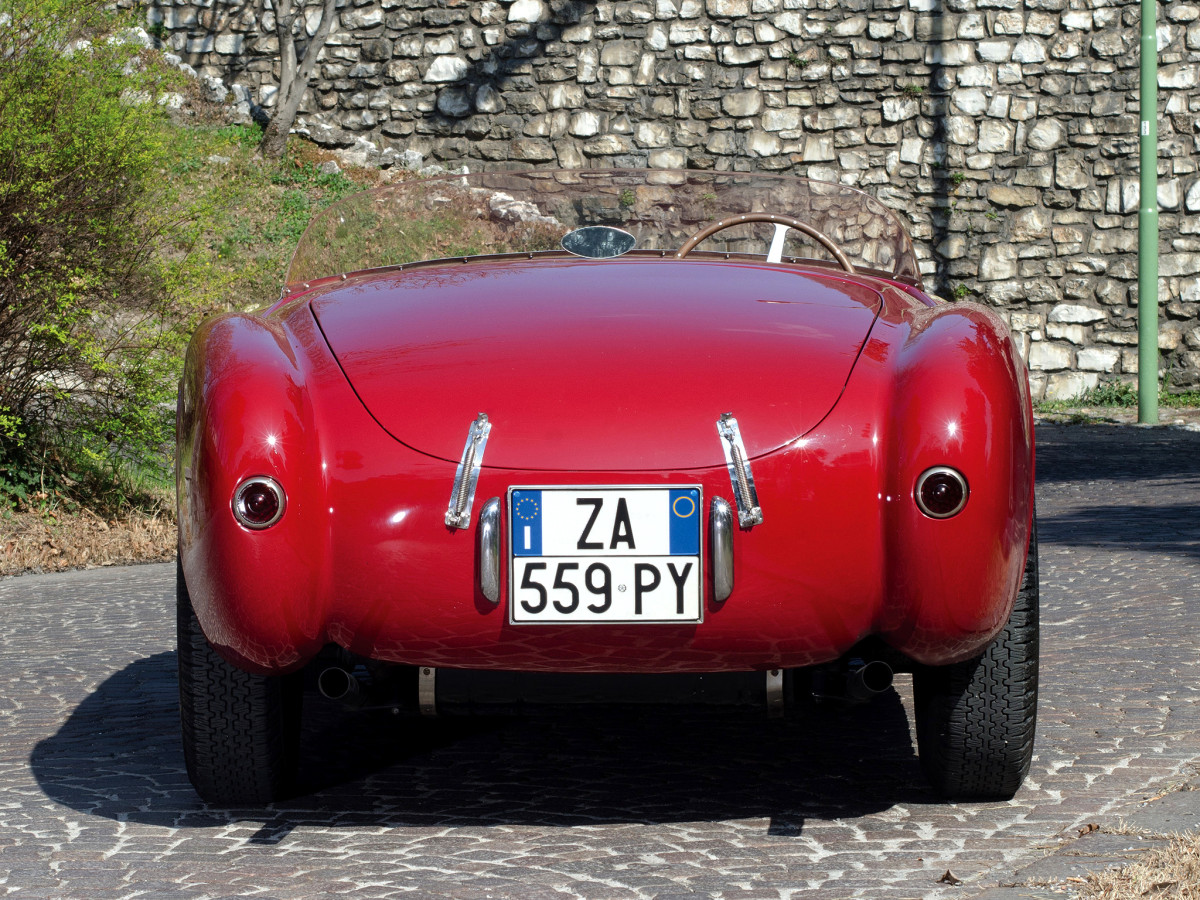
[
  {"x": 335, "y": 683},
  {"x": 854, "y": 682},
  {"x": 869, "y": 680}
]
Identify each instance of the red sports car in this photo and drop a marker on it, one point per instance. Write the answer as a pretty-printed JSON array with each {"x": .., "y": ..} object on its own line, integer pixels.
[{"x": 514, "y": 429}]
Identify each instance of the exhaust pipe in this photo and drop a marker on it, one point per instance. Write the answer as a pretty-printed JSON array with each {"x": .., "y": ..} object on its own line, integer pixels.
[
  {"x": 868, "y": 680},
  {"x": 857, "y": 682},
  {"x": 335, "y": 683}
]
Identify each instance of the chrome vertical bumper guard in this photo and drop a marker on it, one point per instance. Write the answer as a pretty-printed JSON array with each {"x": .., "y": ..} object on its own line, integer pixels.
[
  {"x": 720, "y": 519},
  {"x": 489, "y": 550}
]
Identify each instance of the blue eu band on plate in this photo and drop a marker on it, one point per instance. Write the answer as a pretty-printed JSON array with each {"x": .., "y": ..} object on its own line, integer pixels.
[{"x": 605, "y": 554}]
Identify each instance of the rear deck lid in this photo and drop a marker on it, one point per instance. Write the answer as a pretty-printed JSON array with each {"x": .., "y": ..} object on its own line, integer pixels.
[{"x": 592, "y": 366}]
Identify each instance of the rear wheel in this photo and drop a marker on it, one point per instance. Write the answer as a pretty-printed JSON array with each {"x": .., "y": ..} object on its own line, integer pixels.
[
  {"x": 975, "y": 719},
  {"x": 241, "y": 732}
]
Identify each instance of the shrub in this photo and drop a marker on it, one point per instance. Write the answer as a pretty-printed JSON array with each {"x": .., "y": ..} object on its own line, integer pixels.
[{"x": 84, "y": 336}]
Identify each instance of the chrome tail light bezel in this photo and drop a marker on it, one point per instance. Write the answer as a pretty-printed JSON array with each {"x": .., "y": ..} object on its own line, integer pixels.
[
  {"x": 940, "y": 472},
  {"x": 240, "y": 508}
]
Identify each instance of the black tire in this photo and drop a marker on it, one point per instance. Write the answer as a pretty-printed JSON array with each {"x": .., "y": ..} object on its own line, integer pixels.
[
  {"x": 976, "y": 719},
  {"x": 241, "y": 732}
]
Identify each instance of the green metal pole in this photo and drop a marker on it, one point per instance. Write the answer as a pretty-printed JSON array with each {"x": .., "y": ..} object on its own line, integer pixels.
[{"x": 1148, "y": 222}]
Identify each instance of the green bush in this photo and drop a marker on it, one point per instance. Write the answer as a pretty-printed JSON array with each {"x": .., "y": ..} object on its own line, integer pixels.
[
  {"x": 1111, "y": 393},
  {"x": 85, "y": 311}
]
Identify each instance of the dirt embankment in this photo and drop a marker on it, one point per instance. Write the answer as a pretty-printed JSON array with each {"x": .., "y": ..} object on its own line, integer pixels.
[{"x": 49, "y": 541}]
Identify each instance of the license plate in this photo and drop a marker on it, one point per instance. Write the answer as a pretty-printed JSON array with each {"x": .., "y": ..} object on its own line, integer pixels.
[{"x": 620, "y": 555}]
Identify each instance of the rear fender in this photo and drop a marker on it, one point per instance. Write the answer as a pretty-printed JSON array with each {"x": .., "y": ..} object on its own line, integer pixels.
[
  {"x": 960, "y": 399},
  {"x": 244, "y": 410}
]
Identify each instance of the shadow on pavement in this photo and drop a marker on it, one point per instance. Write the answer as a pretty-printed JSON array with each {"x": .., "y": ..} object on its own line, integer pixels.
[
  {"x": 118, "y": 756},
  {"x": 1090, "y": 473},
  {"x": 1072, "y": 453},
  {"x": 1173, "y": 530}
]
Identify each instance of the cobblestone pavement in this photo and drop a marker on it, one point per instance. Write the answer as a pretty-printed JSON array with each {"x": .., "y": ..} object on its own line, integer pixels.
[{"x": 686, "y": 803}]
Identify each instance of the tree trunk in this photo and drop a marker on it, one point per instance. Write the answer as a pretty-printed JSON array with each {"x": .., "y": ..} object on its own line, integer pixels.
[
  {"x": 274, "y": 140},
  {"x": 295, "y": 70}
]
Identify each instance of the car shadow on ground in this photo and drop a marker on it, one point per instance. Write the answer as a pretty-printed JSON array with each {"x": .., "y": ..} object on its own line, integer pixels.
[
  {"x": 1075, "y": 464},
  {"x": 1172, "y": 530},
  {"x": 1073, "y": 453},
  {"x": 118, "y": 756}
]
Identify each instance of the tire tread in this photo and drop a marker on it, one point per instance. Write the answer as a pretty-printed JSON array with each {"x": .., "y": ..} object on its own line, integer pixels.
[
  {"x": 976, "y": 719},
  {"x": 240, "y": 730}
]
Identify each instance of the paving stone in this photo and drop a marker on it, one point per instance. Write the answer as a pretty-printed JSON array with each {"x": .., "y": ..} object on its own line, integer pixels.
[
  {"x": 1061, "y": 866},
  {"x": 1099, "y": 843},
  {"x": 1177, "y": 811},
  {"x": 612, "y": 804}
]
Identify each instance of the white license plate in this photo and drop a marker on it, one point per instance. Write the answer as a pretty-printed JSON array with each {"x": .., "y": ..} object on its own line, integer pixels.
[{"x": 604, "y": 555}]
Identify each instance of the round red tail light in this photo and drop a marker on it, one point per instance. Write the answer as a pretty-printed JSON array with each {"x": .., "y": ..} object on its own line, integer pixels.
[
  {"x": 941, "y": 492},
  {"x": 259, "y": 502}
]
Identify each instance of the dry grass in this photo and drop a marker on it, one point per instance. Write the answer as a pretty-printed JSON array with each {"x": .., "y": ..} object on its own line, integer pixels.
[
  {"x": 53, "y": 540},
  {"x": 1169, "y": 873}
]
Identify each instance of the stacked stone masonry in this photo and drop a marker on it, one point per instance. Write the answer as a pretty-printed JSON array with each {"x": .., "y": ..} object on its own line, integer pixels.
[{"x": 1005, "y": 130}]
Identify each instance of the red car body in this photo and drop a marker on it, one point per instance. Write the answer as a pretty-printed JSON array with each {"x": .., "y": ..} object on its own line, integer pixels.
[{"x": 355, "y": 392}]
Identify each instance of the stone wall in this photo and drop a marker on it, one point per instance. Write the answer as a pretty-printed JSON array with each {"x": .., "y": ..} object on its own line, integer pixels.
[{"x": 1006, "y": 130}]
